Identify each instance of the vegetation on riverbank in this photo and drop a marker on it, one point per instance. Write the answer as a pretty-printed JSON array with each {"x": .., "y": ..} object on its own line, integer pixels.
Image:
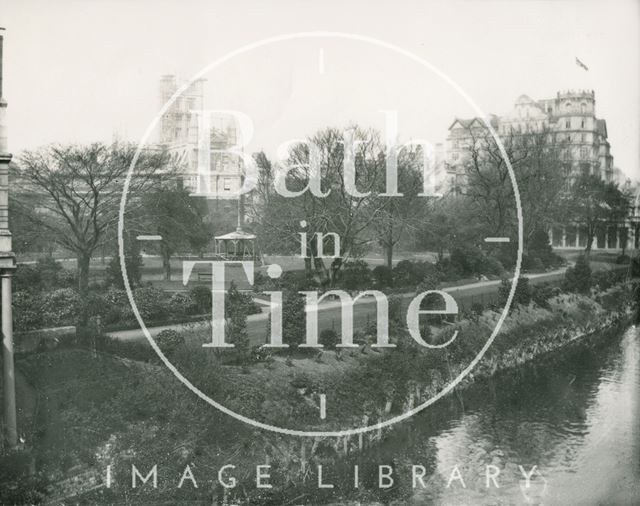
[{"x": 109, "y": 410}]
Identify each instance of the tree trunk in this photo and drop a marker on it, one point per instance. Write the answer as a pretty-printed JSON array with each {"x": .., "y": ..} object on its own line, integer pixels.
[
  {"x": 84, "y": 261},
  {"x": 166, "y": 262},
  {"x": 590, "y": 238},
  {"x": 388, "y": 253}
]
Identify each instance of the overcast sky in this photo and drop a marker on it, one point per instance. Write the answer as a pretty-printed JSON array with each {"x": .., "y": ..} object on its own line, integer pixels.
[{"x": 78, "y": 71}]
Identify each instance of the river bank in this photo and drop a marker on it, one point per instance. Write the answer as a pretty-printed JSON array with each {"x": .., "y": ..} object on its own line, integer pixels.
[
  {"x": 138, "y": 413},
  {"x": 572, "y": 324}
]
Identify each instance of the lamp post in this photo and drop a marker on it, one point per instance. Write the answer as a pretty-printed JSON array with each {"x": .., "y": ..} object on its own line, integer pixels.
[{"x": 7, "y": 266}]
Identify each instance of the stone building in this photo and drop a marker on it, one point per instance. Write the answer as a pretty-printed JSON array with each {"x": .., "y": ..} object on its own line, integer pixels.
[
  {"x": 178, "y": 132},
  {"x": 570, "y": 118}
]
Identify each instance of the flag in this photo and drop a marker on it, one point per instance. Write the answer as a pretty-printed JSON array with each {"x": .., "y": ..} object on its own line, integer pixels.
[{"x": 580, "y": 64}]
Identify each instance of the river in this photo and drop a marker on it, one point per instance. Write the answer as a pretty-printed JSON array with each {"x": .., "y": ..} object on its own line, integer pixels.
[{"x": 574, "y": 415}]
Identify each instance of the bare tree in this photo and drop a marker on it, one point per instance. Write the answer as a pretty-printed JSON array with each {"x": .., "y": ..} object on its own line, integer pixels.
[
  {"x": 396, "y": 215},
  {"x": 536, "y": 160},
  {"x": 78, "y": 190},
  {"x": 338, "y": 212}
]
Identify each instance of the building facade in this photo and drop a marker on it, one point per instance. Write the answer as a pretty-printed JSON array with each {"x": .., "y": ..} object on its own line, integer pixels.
[
  {"x": 570, "y": 119},
  {"x": 178, "y": 133}
]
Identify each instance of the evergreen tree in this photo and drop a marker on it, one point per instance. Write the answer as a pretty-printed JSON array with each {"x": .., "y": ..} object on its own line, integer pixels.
[
  {"x": 578, "y": 277},
  {"x": 236, "y": 324}
]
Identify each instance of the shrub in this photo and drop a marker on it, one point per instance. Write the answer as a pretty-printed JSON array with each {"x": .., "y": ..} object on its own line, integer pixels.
[
  {"x": 466, "y": 260},
  {"x": 27, "y": 314},
  {"x": 293, "y": 318},
  {"x": 540, "y": 294},
  {"x": 477, "y": 308},
  {"x": 152, "y": 303},
  {"x": 471, "y": 260},
  {"x": 133, "y": 264},
  {"x": 46, "y": 274},
  {"x": 182, "y": 303},
  {"x": 492, "y": 266},
  {"x": 201, "y": 296},
  {"x": 537, "y": 264},
  {"x": 239, "y": 301},
  {"x": 116, "y": 307},
  {"x": 296, "y": 280},
  {"x": 236, "y": 329},
  {"x": 168, "y": 340},
  {"x": 623, "y": 259},
  {"x": 329, "y": 338},
  {"x": 382, "y": 276},
  {"x": 505, "y": 253},
  {"x": 578, "y": 277},
  {"x": 60, "y": 307},
  {"x": 522, "y": 294},
  {"x": 27, "y": 278},
  {"x": 404, "y": 273},
  {"x": 261, "y": 281},
  {"x": 48, "y": 269},
  {"x": 302, "y": 380},
  {"x": 428, "y": 282},
  {"x": 261, "y": 354},
  {"x": 356, "y": 275},
  {"x": 635, "y": 267},
  {"x": 539, "y": 247},
  {"x": 607, "y": 278},
  {"x": 448, "y": 270},
  {"x": 66, "y": 279}
]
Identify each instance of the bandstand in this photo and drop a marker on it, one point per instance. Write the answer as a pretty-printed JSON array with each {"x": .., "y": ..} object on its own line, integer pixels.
[{"x": 236, "y": 245}]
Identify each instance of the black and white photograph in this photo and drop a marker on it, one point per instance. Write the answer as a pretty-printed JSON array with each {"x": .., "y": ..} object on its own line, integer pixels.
[{"x": 332, "y": 253}]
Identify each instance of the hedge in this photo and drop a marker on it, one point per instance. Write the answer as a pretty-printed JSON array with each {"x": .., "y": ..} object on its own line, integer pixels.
[{"x": 35, "y": 310}]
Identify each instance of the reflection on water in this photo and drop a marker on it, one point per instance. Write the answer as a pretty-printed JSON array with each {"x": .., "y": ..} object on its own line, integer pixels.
[{"x": 577, "y": 419}]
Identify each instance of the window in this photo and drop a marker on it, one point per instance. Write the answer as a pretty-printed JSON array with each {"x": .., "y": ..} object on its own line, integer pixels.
[
  {"x": 583, "y": 153},
  {"x": 227, "y": 184},
  {"x": 568, "y": 105},
  {"x": 582, "y": 124},
  {"x": 583, "y": 107},
  {"x": 583, "y": 137},
  {"x": 567, "y": 123}
]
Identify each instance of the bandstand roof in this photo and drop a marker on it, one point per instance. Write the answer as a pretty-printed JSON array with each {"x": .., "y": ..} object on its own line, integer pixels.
[{"x": 236, "y": 235}]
